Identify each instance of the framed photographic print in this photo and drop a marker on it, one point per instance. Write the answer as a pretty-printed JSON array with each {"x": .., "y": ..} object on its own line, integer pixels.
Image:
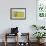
[{"x": 17, "y": 13}]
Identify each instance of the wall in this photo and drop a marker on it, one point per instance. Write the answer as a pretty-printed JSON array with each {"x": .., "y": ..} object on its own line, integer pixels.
[{"x": 24, "y": 25}]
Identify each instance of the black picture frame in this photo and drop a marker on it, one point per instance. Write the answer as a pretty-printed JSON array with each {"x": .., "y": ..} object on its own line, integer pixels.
[{"x": 17, "y": 9}]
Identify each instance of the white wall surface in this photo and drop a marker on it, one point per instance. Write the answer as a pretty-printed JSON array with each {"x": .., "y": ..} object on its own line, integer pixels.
[{"x": 24, "y": 25}]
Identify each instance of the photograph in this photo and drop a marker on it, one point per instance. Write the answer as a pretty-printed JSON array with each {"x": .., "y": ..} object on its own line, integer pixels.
[{"x": 17, "y": 13}]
